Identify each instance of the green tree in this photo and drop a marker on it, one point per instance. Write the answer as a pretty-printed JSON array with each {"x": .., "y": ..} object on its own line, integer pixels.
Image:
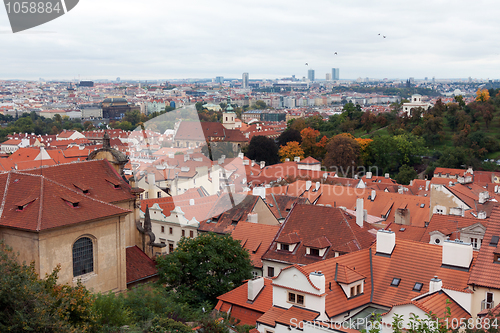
[
  {"x": 262, "y": 148},
  {"x": 260, "y": 104},
  {"x": 32, "y": 304},
  {"x": 405, "y": 175},
  {"x": 288, "y": 136},
  {"x": 202, "y": 268}
]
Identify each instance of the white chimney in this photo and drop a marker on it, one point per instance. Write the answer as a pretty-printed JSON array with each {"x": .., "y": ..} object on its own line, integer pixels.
[
  {"x": 262, "y": 164},
  {"x": 253, "y": 217},
  {"x": 481, "y": 215},
  {"x": 318, "y": 184},
  {"x": 287, "y": 159},
  {"x": 318, "y": 279},
  {"x": 427, "y": 183},
  {"x": 254, "y": 287},
  {"x": 308, "y": 185},
  {"x": 457, "y": 253},
  {"x": 296, "y": 159},
  {"x": 387, "y": 175},
  {"x": 191, "y": 202},
  {"x": 359, "y": 212},
  {"x": 483, "y": 197},
  {"x": 260, "y": 191},
  {"x": 386, "y": 241},
  {"x": 435, "y": 284},
  {"x": 241, "y": 155},
  {"x": 369, "y": 175},
  {"x": 253, "y": 162},
  {"x": 373, "y": 195}
]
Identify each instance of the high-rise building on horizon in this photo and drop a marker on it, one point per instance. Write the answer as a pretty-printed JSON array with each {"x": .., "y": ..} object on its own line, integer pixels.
[
  {"x": 328, "y": 77},
  {"x": 335, "y": 74},
  {"x": 244, "y": 81},
  {"x": 310, "y": 75},
  {"x": 219, "y": 79}
]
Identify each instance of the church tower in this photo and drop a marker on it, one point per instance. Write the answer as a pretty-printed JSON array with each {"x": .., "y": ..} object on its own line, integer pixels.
[{"x": 228, "y": 116}]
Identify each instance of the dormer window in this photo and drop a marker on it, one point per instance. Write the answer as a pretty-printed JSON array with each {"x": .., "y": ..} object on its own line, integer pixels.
[
  {"x": 314, "y": 252},
  {"x": 284, "y": 247}
]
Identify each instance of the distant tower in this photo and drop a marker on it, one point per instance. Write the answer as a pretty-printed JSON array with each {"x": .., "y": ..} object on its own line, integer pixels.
[
  {"x": 335, "y": 74},
  {"x": 310, "y": 75},
  {"x": 244, "y": 81},
  {"x": 328, "y": 77},
  {"x": 219, "y": 79},
  {"x": 228, "y": 116}
]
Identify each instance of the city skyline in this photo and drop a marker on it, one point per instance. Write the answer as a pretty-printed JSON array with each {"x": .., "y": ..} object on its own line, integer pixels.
[{"x": 205, "y": 40}]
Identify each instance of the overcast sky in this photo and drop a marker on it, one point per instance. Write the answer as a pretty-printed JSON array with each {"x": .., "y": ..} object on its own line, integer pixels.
[{"x": 158, "y": 39}]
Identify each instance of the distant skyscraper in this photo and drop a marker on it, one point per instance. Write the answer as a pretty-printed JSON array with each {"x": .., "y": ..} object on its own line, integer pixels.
[
  {"x": 219, "y": 79},
  {"x": 244, "y": 81},
  {"x": 335, "y": 74},
  {"x": 310, "y": 75},
  {"x": 328, "y": 77}
]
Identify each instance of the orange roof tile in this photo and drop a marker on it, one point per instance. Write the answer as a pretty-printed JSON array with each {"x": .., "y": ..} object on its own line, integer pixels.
[{"x": 256, "y": 238}]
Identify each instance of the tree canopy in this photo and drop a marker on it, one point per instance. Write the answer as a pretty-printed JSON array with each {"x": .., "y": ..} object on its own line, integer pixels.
[
  {"x": 261, "y": 149},
  {"x": 202, "y": 268}
]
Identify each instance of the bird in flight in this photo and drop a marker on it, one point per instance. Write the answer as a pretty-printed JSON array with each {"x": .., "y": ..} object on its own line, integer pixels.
[
  {"x": 335, "y": 52},
  {"x": 384, "y": 36},
  {"x": 307, "y": 64}
]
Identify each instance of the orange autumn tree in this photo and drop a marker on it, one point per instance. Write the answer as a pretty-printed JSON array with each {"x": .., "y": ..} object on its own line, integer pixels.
[
  {"x": 310, "y": 143},
  {"x": 363, "y": 144},
  {"x": 482, "y": 95},
  {"x": 290, "y": 150}
]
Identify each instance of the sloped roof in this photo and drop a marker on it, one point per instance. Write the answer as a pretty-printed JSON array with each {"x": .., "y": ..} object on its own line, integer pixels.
[
  {"x": 239, "y": 297},
  {"x": 139, "y": 265},
  {"x": 410, "y": 261},
  {"x": 36, "y": 203},
  {"x": 311, "y": 223},
  {"x": 486, "y": 272},
  {"x": 223, "y": 216},
  {"x": 255, "y": 238},
  {"x": 96, "y": 175},
  {"x": 280, "y": 205},
  {"x": 450, "y": 225}
]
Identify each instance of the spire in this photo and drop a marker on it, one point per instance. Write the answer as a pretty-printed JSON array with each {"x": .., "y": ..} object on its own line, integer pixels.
[
  {"x": 106, "y": 141},
  {"x": 147, "y": 221},
  {"x": 229, "y": 108}
]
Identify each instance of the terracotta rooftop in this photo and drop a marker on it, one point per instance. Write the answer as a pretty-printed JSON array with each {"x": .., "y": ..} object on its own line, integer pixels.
[
  {"x": 486, "y": 270},
  {"x": 139, "y": 265},
  {"x": 329, "y": 226},
  {"x": 255, "y": 238}
]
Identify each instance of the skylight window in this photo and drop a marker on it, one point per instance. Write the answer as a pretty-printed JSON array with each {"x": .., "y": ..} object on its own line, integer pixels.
[
  {"x": 395, "y": 282},
  {"x": 418, "y": 286}
]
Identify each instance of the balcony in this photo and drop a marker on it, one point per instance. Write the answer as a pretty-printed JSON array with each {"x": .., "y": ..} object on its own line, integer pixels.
[{"x": 486, "y": 305}]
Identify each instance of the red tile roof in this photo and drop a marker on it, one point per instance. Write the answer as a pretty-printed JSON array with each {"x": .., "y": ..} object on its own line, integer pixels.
[
  {"x": 486, "y": 271},
  {"x": 36, "y": 203},
  {"x": 410, "y": 261},
  {"x": 338, "y": 227},
  {"x": 239, "y": 297},
  {"x": 139, "y": 265},
  {"x": 256, "y": 238}
]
